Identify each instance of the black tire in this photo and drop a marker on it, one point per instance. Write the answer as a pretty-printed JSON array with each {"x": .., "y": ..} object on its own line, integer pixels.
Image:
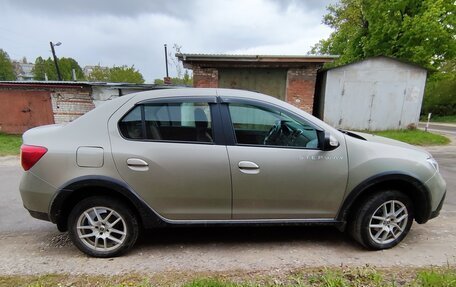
[
  {"x": 115, "y": 236},
  {"x": 365, "y": 228}
]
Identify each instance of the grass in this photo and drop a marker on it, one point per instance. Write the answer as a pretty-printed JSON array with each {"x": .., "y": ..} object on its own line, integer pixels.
[
  {"x": 440, "y": 119},
  {"x": 414, "y": 137},
  {"x": 10, "y": 144},
  {"x": 326, "y": 277}
]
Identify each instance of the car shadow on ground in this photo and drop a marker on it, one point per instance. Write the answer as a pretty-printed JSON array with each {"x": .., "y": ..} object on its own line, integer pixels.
[
  {"x": 175, "y": 238},
  {"x": 197, "y": 236}
]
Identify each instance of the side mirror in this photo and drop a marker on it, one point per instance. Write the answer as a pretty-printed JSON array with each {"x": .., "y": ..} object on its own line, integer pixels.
[{"x": 326, "y": 141}]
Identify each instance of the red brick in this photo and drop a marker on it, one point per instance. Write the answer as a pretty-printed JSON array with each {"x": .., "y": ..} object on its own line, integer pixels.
[
  {"x": 205, "y": 77},
  {"x": 301, "y": 87}
]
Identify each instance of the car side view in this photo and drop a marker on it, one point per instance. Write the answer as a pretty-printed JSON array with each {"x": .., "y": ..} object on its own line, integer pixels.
[{"x": 199, "y": 157}]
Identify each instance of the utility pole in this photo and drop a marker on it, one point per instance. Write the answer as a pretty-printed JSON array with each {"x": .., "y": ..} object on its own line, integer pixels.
[
  {"x": 55, "y": 59},
  {"x": 167, "y": 79},
  {"x": 166, "y": 60}
]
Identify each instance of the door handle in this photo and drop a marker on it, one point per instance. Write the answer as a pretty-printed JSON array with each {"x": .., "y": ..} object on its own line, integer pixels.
[
  {"x": 248, "y": 167},
  {"x": 137, "y": 164}
]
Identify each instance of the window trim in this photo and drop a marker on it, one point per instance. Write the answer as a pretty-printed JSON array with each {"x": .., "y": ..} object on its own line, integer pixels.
[
  {"x": 228, "y": 124},
  {"x": 211, "y": 102},
  {"x": 179, "y": 99},
  {"x": 223, "y": 132}
]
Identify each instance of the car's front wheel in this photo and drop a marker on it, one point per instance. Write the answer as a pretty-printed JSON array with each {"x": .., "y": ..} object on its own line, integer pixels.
[
  {"x": 101, "y": 226},
  {"x": 382, "y": 220}
]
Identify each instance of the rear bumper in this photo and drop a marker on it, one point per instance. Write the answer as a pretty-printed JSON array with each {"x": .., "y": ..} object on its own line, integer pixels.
[
  {"x": 39, "y": 215},
  {"x": 36, "y": 194}
]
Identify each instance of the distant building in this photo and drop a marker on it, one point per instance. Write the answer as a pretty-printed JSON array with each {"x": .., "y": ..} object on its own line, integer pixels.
[
  {"x": 24, "y": 71},
  {"x": 378, "y": 93}
]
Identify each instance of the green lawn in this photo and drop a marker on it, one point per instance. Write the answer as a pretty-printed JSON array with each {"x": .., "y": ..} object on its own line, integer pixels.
[
  {"x": 326, "y": 277},
  {"x": 414, "y": 137},
  {"x": 441, "y": 119},
  {"x": 10, "y": 144}
]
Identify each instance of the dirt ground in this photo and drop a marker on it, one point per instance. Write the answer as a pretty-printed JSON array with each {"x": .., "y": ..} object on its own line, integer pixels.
[{"x": 30, "y": 246}]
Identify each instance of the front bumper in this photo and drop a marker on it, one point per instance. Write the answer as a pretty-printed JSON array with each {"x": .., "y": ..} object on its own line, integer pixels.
[
  {"x": 436, "y": 212},
  {"x": 437, "y": 188}
]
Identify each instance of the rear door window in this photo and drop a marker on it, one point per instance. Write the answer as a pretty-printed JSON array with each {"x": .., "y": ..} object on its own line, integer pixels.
[
  {"x": 131, "y": 124},
  {"x": 184, "y": 122}
]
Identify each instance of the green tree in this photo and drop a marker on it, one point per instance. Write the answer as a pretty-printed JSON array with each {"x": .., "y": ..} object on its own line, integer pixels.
[
  {"x": 125, "y": 74},
  {"x": 43, "y": 67},
  {"x": 6, "y": 67},
  {"x": 440, "y": 93},
  {"x": 47, "y": 66},
  {"x": 120, "y": 74},
  {"x": 99, "y": 74},
  {"x": 66, "y": 66},
  {"x": 420, "y": 31},
  {"x": 186, "y": 80}
]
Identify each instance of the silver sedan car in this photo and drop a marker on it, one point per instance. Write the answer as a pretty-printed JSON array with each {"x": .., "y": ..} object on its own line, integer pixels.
[{"x": 216, "y": 157}]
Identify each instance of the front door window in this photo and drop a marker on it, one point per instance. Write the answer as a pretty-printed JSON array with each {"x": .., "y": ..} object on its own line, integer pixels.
[{"x": 266, "y": 127}]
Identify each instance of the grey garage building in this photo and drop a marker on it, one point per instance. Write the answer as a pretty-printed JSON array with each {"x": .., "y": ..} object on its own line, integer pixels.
[{"x": 378, "y": 93}]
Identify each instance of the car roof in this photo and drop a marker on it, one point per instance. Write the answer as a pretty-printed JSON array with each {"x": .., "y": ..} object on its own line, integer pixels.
[{"x": 201, "y": 93}]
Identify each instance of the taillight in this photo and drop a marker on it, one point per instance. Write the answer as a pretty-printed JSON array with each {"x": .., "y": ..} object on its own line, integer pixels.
[{"x": 30, "y": 155}]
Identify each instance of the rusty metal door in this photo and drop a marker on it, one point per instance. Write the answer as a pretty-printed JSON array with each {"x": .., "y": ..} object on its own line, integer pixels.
[
  {"x": 22, "y": 110},
  {"x": 264, "y": 80}
]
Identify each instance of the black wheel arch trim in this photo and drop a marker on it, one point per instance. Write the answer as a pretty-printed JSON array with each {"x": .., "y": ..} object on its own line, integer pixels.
[
  {"x": 423, "y": 196},
  {"x": 147, "y": 216}
]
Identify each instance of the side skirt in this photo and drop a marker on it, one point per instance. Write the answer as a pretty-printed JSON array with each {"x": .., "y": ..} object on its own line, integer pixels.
[{"x": 259, "y": 222}]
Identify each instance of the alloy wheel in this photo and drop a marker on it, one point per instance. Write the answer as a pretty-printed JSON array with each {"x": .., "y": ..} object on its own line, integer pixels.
[
  {"x": 388, "y": 222},
  {"x": 101, "y": 229}
]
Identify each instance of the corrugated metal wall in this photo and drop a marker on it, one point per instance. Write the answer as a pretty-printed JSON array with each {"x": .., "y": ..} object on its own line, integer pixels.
[{"x": 375, "y": 94}]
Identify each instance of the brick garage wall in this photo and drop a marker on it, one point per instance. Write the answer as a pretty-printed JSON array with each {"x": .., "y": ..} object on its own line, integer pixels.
[
  {"x": 300, "y": 83},
  {"x": 69, "y": 105},
  {"x": 205, "y": 77},
  {"x": 300, "y": 89},
  {"x": 22, "y": 110},
  {"x": 23, "y": 107}
]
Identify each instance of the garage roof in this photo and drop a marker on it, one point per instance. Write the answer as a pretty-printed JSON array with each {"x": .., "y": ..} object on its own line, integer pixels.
[
  {"x": 81, "y": 84},
  {"x": 378, "y": 57},
  {"x": 186, "y": 58}
]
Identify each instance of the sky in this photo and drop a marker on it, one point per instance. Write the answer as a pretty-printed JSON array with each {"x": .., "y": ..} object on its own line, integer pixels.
[{"x": 109, "y": 32}]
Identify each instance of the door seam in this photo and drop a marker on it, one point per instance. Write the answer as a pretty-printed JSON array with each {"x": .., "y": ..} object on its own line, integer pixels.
[{"x": 231, "y": 181}]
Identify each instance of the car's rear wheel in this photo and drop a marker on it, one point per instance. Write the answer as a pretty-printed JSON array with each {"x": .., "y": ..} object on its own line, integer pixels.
[
  {"x": 382, "y": 220},
  {"x": 102, "y": 227}
]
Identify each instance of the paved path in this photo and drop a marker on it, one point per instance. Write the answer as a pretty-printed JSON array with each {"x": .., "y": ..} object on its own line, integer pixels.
[{"x": 440, "y": 127}]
